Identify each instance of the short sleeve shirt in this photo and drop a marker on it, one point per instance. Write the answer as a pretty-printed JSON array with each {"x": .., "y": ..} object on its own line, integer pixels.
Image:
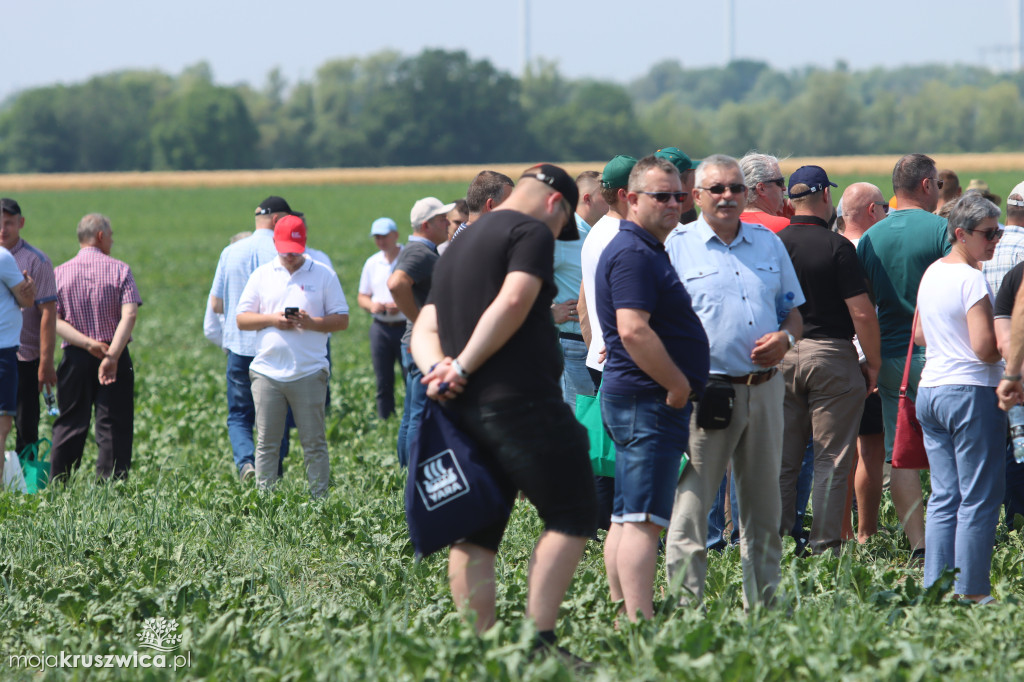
[
  {"x": 466, "y": 282},
  {"x": 417, "y": 260},
  {"x": 741, "y": 290},
  {"x": 91, "y": 288},
  {"x": 569, "y": 272},
  {"x": 373, "y": 282},
  {"x": 10, "y": 312},
  {"x": 826, "y": 265},
  {"x": 237, "y": 263},
  {"x": 1008, "y": 291},
  {"x": 603, "y": 231},
  {"x": 39, "y": 267},
  {"x": 635, "y": 272}
]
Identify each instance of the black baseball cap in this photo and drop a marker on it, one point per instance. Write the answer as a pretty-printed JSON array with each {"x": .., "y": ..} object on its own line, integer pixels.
[
  {"x": 557, "y": 179},
  {"x": 10, "y": 206},
  {"x": 275, "y": 204}
]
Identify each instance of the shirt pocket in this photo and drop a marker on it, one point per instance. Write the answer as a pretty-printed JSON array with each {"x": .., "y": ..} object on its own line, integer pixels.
[{"x": 704, "y": 286}]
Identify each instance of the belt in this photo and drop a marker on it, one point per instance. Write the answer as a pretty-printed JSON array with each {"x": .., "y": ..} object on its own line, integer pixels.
[
  {"x": 571, "y": 337},
  {"x": 752, "y": 379},
  {"x": 400, "y": 323}
]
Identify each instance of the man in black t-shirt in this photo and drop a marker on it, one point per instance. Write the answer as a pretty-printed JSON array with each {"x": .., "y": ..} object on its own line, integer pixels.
[
  {"x": 825, "y": 389},
  {"x": 487, "y": 345},
  {"x": 1013, "y": 499}
]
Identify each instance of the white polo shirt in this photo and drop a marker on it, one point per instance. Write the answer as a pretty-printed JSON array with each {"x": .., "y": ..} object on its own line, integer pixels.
[
  {"x": 374, "y": 283},
  {"x": 603, "y": 231},
  {"x": 291, "y": 354}
]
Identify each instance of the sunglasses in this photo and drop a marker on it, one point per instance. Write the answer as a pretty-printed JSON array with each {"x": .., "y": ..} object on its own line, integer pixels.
[
  {"x": 990, "y": 235},
  {"x": 939, "y": 183},
  {"x": 882, "y": 205},
  {"x": 737, "y": 188},
  {"x": 781, "y": 182},
  {"x": 663, "y": 197}
]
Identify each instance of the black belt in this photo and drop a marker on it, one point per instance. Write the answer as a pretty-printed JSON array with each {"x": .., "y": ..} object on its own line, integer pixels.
[
  {"x": 400, "y": 323},
  {"x": 571, "y": 337},
  {"x": 752, "y": 379}
]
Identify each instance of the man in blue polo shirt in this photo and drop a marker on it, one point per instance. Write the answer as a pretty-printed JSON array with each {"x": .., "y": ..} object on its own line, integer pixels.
[{"x": 657, "y": 359}]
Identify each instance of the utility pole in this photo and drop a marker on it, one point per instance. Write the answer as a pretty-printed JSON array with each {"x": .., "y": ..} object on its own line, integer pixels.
[
  {"x": 730, "y": 30},
  {"x": 524, "y": 34}
]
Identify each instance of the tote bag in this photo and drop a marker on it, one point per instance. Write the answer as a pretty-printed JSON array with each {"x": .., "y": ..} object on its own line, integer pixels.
[{"x": 908, "y": 445}]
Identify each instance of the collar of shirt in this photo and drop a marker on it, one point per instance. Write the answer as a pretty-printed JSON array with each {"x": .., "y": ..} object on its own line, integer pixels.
[
  {"x": 17, "y": 247},
  {"x": 808, "y": 220},
  {"x": 417, "y": 238},
  {"x": 644, "y": 235},
  {"x": 707, "y": 233},
  {"x": 307, "y": 263}
]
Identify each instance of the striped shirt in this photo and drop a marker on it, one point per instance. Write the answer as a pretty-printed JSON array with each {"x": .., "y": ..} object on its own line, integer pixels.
[
  {"x": 91, "y": 288},
  {"x": 1009, "y": 252},
  {"x": 40, "y": 269}
]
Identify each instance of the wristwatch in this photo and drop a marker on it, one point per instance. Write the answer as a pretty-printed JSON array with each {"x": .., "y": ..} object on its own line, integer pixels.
[{"x": 792, "y": 339}]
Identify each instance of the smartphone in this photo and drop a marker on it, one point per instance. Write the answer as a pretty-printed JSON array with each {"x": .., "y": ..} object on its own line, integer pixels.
[{"x": 291, "y": 312}]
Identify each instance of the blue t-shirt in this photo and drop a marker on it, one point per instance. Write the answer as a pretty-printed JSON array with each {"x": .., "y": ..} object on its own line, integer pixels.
[{"x": 634, "y": 272}]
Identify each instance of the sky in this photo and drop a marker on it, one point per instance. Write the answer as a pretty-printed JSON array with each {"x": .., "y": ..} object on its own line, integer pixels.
[{"x": 46, "y": 42}]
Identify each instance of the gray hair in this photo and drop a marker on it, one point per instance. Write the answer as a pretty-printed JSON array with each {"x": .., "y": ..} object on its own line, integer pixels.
[
  {"x": 91, "y": 225},
  {"x": 637, "y": 182},
  {"x": 759, "y": 167},
  {"x": 910, "y": 171},
  {"x": 968, "y": 212},
  {"x": 715, "y": 161}
]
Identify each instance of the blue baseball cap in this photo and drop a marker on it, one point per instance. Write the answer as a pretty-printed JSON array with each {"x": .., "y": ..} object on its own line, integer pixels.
[
  {"x": 814, "y": 177},
  {"x": 382, "y": 227}
]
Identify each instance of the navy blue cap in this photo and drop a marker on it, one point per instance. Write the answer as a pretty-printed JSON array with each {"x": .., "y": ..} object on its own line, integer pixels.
[{"x": 814, "y": 177}]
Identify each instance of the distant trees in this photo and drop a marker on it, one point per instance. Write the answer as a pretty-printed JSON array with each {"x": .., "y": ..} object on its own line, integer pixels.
[{"x": 441, "y": 107}]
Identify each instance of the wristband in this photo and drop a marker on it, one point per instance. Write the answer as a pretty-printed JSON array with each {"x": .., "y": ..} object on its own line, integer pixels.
[
  {"x": 1011, "y": 377},
  {"x": 459, "y": 369}
]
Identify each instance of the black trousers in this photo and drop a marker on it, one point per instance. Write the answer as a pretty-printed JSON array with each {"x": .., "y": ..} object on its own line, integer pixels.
[
  {"x": 78, "y": 391},
  {"x": 26, "y": 423}
]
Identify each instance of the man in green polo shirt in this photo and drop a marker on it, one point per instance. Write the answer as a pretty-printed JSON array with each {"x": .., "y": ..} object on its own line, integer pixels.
[{"x": 894, "y": 254}]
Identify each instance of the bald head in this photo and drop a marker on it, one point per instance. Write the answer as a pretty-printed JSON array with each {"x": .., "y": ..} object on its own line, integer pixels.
[{"x": 862, "y": 207}]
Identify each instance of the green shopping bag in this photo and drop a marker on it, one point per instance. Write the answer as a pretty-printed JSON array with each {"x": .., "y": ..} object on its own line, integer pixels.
[
  {"x": 35, "y": 468},
  {"x": 602, "y": 448}
]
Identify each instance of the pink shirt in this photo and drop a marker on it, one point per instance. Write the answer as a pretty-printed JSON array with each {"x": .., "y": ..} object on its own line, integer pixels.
[
  {"x": 91, "y": 288},
  {"x": 39, "y": 267}
]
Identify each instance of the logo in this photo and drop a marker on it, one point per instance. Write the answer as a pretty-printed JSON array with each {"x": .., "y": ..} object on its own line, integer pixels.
[
  {"x": 440, "y": 480},
  {"x": 160, "y": 634}
]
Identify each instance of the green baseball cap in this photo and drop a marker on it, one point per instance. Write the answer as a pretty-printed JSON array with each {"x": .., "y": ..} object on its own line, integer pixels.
[
  {"x": 677, "y": 158},
  {"x": 616, "y": 172}
]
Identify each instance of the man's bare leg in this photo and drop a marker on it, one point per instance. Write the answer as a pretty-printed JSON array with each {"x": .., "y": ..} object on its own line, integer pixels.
[
  {"x": 552, "y": 566},
  {"x": 611, "y": 566},
  {"x": 637, "y": 560},
  {"x": 471, "y": 580},
  {"x": 868, "y": 483}
]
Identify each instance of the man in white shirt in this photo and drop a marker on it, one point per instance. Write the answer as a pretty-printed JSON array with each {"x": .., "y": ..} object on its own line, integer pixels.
[{"x": 294, "y": 302}]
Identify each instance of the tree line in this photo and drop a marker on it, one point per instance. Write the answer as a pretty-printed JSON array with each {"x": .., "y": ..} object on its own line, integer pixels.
[{"x": 442, "y": 107}]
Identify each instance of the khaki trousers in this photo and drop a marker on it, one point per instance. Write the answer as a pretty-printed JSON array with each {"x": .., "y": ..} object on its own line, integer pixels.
[
  {"x": 825, "y": 393},
  {"x": 753, "y": 442}
]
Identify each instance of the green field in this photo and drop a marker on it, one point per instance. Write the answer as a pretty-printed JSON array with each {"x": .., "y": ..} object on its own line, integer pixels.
[{"x": 279, "y": 587}]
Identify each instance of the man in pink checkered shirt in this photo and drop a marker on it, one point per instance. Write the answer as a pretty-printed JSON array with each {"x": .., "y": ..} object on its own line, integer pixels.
[{"x": 97, "y": 302}]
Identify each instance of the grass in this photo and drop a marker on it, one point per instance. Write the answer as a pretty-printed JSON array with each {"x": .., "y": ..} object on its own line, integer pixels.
[{"x": 279, "y": 587}]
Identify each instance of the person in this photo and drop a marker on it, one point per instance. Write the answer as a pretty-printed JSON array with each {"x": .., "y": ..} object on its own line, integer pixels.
[
  {"x": 18, "y": 292},
  {"x": 863, "y": 206},
  {"x": 388, "y": 322},
  {"x": 747, "y": 342},
  {"x": 1010, "y": 249},
  {"x": 456, "y": 218},
  {"x": 686, "y": 167},
  {"x": 487, "y": 333},
  {"x": 657, "y": 362},
  {"x": 949, "y": 189},
  {"x": 964, "y": 430},
  {"x": 236, "y": 263},
  {"x": 825, "y": 386},
  {"x": 409, "y": 284},
  {"x": 576, "y": 380},
  {"x": 213, "y": 322},
  {"x": 97, "y": 304},
  {"x": 486, "y": 192},
  {"x": 38, "y": 328},
  {"x": 766, "y": 191},
  {"x": 894, "y": 255},
  {"x": 290, "y": 368}
]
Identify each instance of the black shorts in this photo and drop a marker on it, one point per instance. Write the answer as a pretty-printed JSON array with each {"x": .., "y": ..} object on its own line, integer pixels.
[
  {"x": 871, "y": 421},
  {"x": 544, "y": 452}
]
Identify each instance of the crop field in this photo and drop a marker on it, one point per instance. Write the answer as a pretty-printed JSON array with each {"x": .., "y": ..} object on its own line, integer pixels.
[{"x": 279, "y": 587}]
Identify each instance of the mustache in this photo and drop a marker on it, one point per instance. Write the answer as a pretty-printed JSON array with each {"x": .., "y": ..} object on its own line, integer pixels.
[{"x": 726, "y": 203}]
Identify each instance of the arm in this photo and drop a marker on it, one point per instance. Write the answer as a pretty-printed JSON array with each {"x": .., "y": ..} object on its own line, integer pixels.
[
  {"x": 981, "y": 331},
  {"x": 25, "y": 291},
  {"x": 367, "y": 304},
  {"x": 47, "y": 343},
  {"x": 649, "y": 354},
  {"x": 400, "y": 285},
  {"x": 865, "y": 324},
  {"x": 335, "y": 322},
  {"x": 123, "y": 332},
  {"x": 217, "y": 304},
  {"x": 1002, "y": 328},
  {"x": 76, "y": 338},
  {"x": 253, "y": 322},
  {"x": 581, "y": 307},
  {"x": 1010, "y": 392},
  {"x": 772, "y": 347},
  {"x": 562, "y": 312},
  {"x": 425, "y": 346},
  {"x": 919, "y": 339}
]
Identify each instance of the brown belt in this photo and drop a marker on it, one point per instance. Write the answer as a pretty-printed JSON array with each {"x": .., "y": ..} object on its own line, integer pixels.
[{"x": 752, "y": 379}]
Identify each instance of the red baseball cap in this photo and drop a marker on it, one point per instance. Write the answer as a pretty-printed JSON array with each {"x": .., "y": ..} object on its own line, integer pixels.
[{"x": 290, "y": 235}]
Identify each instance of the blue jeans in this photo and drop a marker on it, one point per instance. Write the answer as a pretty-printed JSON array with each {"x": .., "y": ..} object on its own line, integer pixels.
[
  {"x": 415, "y": 401},
  {"x": 1013, "y": 499},
  {"x": 965, "y": 437},
  {"x": 242, "y": 414},
  {"x": 650, "y": 438},
  {"x": 716, "y": 517},
  {"x": 575, "y": 377}
]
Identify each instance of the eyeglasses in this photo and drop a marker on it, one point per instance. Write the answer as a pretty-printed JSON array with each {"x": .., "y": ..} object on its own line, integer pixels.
[
  {"x": 663, "y": 197},
  {"x": 737, "y": 188},
  {"x": 882, "y": 205},
  {"x": 780, "y": 181},
  {"x": 938, "y": 183},
  {"x": 990, "y": 235}
]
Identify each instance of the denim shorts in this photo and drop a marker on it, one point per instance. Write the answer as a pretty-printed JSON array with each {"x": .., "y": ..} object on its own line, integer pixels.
[
  {"x": 650, "y": 438},
  {"x": 8, "y": 382}
]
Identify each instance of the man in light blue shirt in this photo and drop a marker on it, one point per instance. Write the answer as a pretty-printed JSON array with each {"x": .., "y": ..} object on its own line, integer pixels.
[
  {"x": 576, "y": 378},
  {"x": 16, "y": 292},
  {"x": 746, "y": 293}
]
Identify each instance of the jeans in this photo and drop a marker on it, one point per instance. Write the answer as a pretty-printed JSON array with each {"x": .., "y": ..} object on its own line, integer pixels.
[
  {"x": 415, "y": 400},
  {"x": 716, "y": 517},
  {"x": 385, "y": 351},
  {"x": 965, "y": 437},
  {"x": 242, "y": 414},
  {"x": 1013, "y": 499},
  {"x": 575, "y": 377}
]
